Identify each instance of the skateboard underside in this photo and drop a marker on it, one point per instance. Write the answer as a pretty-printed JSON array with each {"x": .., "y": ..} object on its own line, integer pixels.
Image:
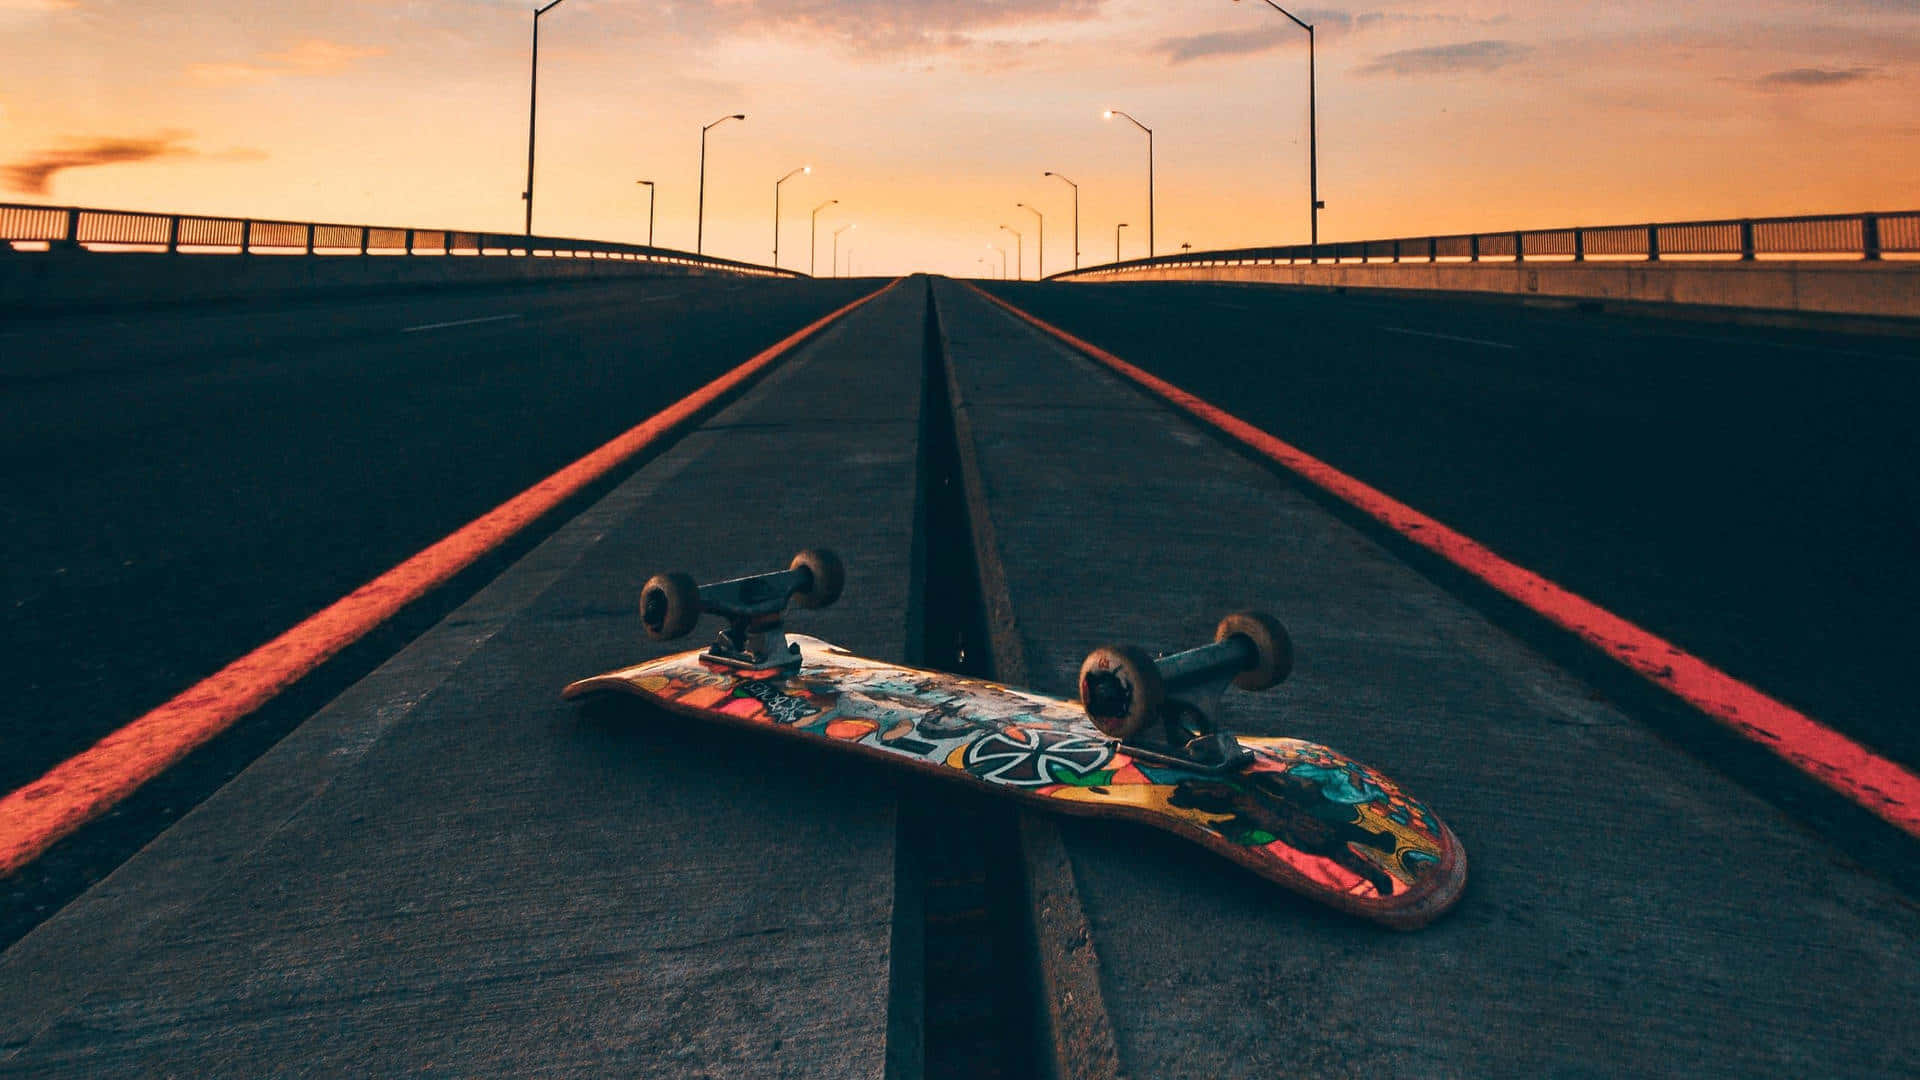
[{"x": 1299, "y": 814}]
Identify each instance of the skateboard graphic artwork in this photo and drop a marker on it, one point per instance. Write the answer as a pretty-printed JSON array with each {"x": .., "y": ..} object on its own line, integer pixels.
[{"x": 1142, "y": 744}]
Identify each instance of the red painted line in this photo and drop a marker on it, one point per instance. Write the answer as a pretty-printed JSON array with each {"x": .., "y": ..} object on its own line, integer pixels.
[
  {"x": 86, "y": 785},
  {"x": 1873, "y": 782}
]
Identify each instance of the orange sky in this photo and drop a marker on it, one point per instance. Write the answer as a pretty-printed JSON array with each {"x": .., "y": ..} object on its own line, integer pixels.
[{"x": 930, "y": 119}]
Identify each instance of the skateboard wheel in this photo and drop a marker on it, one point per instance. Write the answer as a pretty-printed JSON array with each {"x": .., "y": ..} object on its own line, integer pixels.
[
  {"x": 669, "y": 605},
  {"x": 1121, "y": 689},
  {"x": 1273, "y": 649},
  {"x": 828, "y": 577}
]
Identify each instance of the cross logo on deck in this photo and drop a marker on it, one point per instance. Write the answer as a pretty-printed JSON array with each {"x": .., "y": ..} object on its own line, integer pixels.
[{"x": 1028, "y": 757}]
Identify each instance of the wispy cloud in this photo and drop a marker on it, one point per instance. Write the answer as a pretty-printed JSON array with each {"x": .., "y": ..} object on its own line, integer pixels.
[
  {"x": 1183, "y": 50},
  {"x": 1466, "y": 56},
  {"x": 893, "y": 26},
  {"x": 34, "y": 175},
  {"x": 1277, "y": 32},
  {"x": 311, "y": 56},
  {"x": 1796, "y": 78}
]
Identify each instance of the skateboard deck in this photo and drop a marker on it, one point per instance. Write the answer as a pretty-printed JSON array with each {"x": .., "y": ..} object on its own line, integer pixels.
[{"x": 1298, "y": 814}]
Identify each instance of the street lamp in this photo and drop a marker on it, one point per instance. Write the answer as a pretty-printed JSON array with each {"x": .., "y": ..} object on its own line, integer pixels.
[
  {"x": 650, "y": 200},
  {"x": 1076, "y": 217},
  {"x": 533, "y": 108},
  {"x": 1003, "y": 259},
  {"x": 1313, "y": 128},
  {"x": 1116, "y": 240},
  {"x": 700, "y": 215},
  {"x": 1019, "y": 255},
  {"x": 776, "y": 210},
  {"x": 813, "y": 236},
  {"x": 1110, "y": 114},
  {"x": 836, "y": 246},
  {"x": 1040, "y": 260}
]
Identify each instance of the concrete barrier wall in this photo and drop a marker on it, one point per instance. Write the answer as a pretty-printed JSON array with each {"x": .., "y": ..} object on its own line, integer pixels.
[
  {"x": 57, "y": 281},
  {"x": 1842, "y": 288}
]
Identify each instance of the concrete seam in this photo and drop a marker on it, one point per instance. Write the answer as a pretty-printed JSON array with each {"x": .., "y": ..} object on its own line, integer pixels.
[{"x": 1080, "y": 1034}]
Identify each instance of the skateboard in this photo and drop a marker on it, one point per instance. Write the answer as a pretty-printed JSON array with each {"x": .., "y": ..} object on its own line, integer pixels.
[{"x": 1142, "y": 744}]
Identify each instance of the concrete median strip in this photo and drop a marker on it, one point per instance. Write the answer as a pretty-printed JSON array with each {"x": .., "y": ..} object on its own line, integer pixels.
[
  {"x": 1875, "y": 783},
  {"x": 35, "y": 817}
]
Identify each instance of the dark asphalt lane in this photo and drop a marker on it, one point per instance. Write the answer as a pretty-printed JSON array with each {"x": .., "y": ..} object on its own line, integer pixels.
[
  {"x": 181, "y": 485},
  {"x": 1747, "y": 493}
]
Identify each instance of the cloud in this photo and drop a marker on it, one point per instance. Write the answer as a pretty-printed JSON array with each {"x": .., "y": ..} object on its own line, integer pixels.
[
  {"x": 1467, "y": 56},
  {"x": 311, "y": 56},
  {"x": 1793, "y": 78},
  {"x": 1182, "y": 50},
  {"x": 1277, "y": 33},
  {"x": 34, "y": 175},
  {"x": 892, "y": 25}
]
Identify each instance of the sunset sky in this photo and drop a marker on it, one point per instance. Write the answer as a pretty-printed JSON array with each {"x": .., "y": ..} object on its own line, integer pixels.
[{"x": 930, "y": 119}]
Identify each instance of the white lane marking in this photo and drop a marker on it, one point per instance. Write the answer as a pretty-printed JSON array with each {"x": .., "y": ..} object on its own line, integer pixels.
[
  {"x": 657, "y": 299},
  {"x": 457, "y": 322},
  {"x": 1448, "y": 337}
]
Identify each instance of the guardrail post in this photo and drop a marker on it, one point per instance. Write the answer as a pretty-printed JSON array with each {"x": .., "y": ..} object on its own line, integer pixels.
[
  {"x": 1746, "y": 241},
  {"x": 1579, "y": 245},
  {"x": 1870, "y": 236},
  {"x": 246, "y": 238},
  {"x": 1433, "y": 249},
  {"x": 1473, "y": 247},
  {"x": 364, "y": 231},
  {"x": 1396, "y": 251},
  {"x": 409, "y": 241},
  {"x": 1653, "y": 243},
  {"x": 173, "y": 234},
  {"x": 73, "y": 231},
  {"x": 309, "y": 239},
  {"x": 1519, "y": 247}
]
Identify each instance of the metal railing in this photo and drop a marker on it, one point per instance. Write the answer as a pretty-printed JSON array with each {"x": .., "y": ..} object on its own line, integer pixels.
[
  {"x": 30, "y": 228},
  {"x": 1861, "y": 236}
]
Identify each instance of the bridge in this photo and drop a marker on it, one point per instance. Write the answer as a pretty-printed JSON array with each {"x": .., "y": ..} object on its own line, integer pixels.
[{"x": 1600, "y": 539}]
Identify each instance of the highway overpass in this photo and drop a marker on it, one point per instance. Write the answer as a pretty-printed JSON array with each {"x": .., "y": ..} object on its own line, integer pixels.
[{"x": 405, "y": 853}]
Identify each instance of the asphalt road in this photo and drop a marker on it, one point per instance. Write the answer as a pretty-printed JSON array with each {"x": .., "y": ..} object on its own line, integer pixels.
[
  {"x": 1748, "y": 493},
  {"x": 180, "y": 485}
]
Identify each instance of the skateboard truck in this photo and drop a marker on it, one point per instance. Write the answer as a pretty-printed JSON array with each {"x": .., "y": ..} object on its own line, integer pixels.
[
  {"x": 1124, "y": 690},
  {"x": 753, "y": 638}
]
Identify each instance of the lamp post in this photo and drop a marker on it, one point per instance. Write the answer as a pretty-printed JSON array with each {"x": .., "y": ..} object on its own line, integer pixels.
[
  {"x": 1003, "y": 259},
  {"x": 776, "y": 210},
  {"x": 1019, "y": 255},
  {"x": 533, "y": 110},
  {"x": 836, "y": 246},
  {"x": 1116, "y": 240},
  {"x": 1039, "y": 260},
  {"x": 813, "y": 236},
  {"x": 650, "y": 200},
  {"x": 1110, "y": 114},
  {"x": 1076, "y": 217},
  {"x": 1313, "y": 128},
  {"x": 700, "y": 215}
]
